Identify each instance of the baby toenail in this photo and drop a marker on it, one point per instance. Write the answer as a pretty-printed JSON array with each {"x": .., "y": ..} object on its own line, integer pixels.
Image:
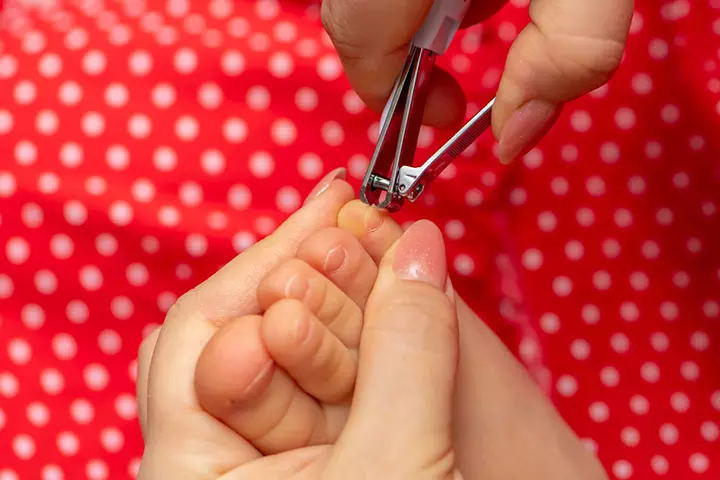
[
  {"x": 335, "y": 259},
  {"x": 251, "y": 388},
  {"x": 296, "y": 287},
  {"x": 373, "y": 219}
]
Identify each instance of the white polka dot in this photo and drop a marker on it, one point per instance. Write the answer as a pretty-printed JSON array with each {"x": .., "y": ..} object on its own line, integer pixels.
[
  {"x": 625, "y": 118},
  {"x": 25, "y": 92},
  {"x": 96, "y": 377},
  {"x": 580, "y": 349},
  {"x": 210, "y": 95},
  {"x": 700, "y": 341},
  {"x": 116, "y": 95},
  {"x": 709, "y": 431},
  {"x": 46, "y": 122},
  {"x": 232, "y": 63},
  {"x": 6, "y": 121},
  {"x": 599, "y": 412},
  {"x": 9, "y": 385},
  {"x": 629, "y": 311},
  {"x": 681, "y": 279},
  {"x": 474, "y": 197},
  {"x": 25, "y": 153},
  {"x": 658, "y": 49},
  {"x": 566, "y": 386},
  {"x": 610, "y": 377},
  {"x": 242, "y": 241},
  {"x": 52, "y": 381},
  {"x": 642, "y": 84},
  {"x": 212, "y": 162},
  {"x": 120, "y": 213},
  {"x": 67, "y": 443},
  {"x": 533, "y": 159},
  {"x": 711, "y": 309},
  {"x": 71, "y": 155},
  {"x": 140, "y": 63},
  {"x": 137, "y": 274},
  {"x": 630, "y": 436},
  {"x": 96, "y": 470},
  {"x": 92, "y": 124},
  {"x": 280, "y": 64},
  {"x": 601, "y": 280},
  {"x": 82, "y": 411},
  {"x": 664, "y": 216},
  {"x": 19, "y": 351},
  {"x": 239, "y": 197},
  {"x": 670, "y": 114},
  {"x": 590, "y": 314},
  {"x": 569, "y": 153},
  {"x": 574, "y": 250},
  {"x": 547, "y": 221},
  {"x": 166, "y": 300},
  {"x": 636, "y": 185},
  {"x": 163, "y": 95},
  {"x": 622, "y": 469},
  {"x": 329, "y": 67},
  {"x": 464, "y": 264},
  {"x": 117, "y": 157},
  {"x": 94, "y": 62},
  {"x": 106, "y": 244},
  {"x": 261, "y": 164},
  {"x": 168, "y": 216},
  {"x": 64, "y": 346},
  {"x": 699, "y": 463},
  {"x": 306, "y": 99},
  {"x": 623, "y": 217},
  {"x": 653, "y": 149},
  {"x": 235, "y": 130},
  {"x": 585, "y": 217},
  {"x": 620, "y": 342},
  {"x": 122, "y": 307},
  {"x": 287, "y": 199},
  {"x": 191, "y": 194},
  {"x": 23, "y": 446},
  {"x": 669, "y": 311},
  {"x": 669, "y": 434},
  {"x": 38, "y": 414},
  {"x": 550, "y": 323},
  {"x": 196, "y": 244},
  {"x": 143, "y": 191},
  {"x": 283, "y": 132},
  {"x": 580, "y": 121},
  {"x": 690, "y": 371},
  {"x": 650, "y": 372},
  {"x": 17, "y": 250},
  {"x": 52, "y": 472},
  {"x": 639, "y": 405},
  {"x": 45, "y": 282},
  {"x": 33, "y": 316},
  {"x": 185, "y": 60},
  {"x": 75, "y": 212},
  {"x": 109, "y": 342},
  {"x": 126, "y": 406},
  {"x": 61, "y": 246},
  {"x": 187, "y": 128},
  {"x": 679, "y": 402},
  {"x": 139, "y": 126}
]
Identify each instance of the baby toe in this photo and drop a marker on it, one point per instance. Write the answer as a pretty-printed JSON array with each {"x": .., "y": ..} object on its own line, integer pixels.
[{"x": 340, "y": 256}]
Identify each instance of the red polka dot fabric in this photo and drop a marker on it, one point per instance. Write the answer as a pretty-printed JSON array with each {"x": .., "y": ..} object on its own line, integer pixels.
[{"x": 144, "y": 143}]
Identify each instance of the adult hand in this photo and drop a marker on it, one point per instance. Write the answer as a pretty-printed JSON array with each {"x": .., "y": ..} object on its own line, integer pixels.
[
  {"x": 400, "y": 421},
  {"x": 569, "y": 48}
]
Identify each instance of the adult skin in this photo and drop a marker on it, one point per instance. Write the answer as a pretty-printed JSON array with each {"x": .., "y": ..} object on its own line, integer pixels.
[
  {"x": 569, "y": 48},
  {"x": 438, "y": 403}
]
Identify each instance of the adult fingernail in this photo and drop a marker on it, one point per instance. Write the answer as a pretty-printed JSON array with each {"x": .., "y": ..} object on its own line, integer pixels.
[
  {"x": 324, "y": 184},
  {"x": 420, "y": 255},
  {"x": 524, "y": 127}
]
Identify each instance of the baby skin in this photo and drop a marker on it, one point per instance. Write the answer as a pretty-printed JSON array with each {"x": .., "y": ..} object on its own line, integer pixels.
[{"x": 284, "y": 380}]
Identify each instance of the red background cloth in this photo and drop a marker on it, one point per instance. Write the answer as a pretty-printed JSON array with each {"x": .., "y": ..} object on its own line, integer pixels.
[{"x": 144, "y": 143}]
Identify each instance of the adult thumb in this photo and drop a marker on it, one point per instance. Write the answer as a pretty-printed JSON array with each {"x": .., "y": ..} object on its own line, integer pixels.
[
  {"x": 570, "y": 48},
  {"x": 400, "y": 420}
]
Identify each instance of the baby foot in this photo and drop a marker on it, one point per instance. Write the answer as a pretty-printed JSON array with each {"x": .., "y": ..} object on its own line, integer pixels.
[{"x": 284, "y": 379}]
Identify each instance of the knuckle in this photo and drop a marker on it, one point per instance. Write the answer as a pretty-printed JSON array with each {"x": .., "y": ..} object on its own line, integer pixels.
[{"x": 425, "y": 313}]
